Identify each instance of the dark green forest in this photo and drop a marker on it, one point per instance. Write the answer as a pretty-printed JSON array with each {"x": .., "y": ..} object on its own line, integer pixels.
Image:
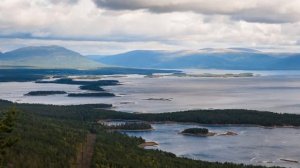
[
  {"x": 51, "y": 136},
  {"x": 195, "y": 131},
  {"x": 92, "y": 87},
  {"x": 130, "y": 126},
  {"x": 44, "y": 93},
  {"x": 24, "y": 74},
  {"x": 99, "y": 94},
  {"x": 217, "y": 117}
]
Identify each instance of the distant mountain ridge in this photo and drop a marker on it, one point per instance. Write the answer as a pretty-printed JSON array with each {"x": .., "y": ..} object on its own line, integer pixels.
[
  {"x": 56, "y": 57},
  {"x": 207, "y": 58},
  {"x": 47, "y": 57}
]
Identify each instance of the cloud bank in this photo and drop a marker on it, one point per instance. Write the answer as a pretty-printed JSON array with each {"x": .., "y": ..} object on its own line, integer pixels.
[
  {"x": 110, "y": 26},
  {"x": 262, "y": 11}
]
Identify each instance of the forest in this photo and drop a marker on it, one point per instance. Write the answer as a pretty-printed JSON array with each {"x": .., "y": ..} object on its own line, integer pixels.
[
  {"x": 44, "y": 93},
  {"x": 70, "y": 81},
  {"x": 51, "y": 136},
  {"x": 100, "y": 94},
  {"x": 130, "y": 126},
  {"x": 216, "y": 116}
]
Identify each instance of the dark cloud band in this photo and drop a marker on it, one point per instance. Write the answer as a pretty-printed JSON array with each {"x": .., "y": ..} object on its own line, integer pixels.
[{"x": 259, "y": 14}]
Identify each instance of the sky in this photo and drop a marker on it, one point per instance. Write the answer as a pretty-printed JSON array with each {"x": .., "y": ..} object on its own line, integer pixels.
[{"x": 114, "y": 26}]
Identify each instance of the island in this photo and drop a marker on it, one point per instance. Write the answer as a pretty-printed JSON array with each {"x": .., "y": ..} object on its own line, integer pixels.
[
  {"x": 44, "y": 93},
  {"x": 202, "y": 132},
  {"x": 100, "y": 94},
  {"x": 91, "y": 87},
  {"x": 70, "y": 81},
  {"x": 159, "y": 99}
]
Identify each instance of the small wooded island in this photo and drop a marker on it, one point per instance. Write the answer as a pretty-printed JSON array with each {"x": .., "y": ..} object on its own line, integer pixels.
[
  {"x": 44, "y": 93},
  {"x": 92, "y": 87},
  {"x": 203, "y": 132},
  {"x": 100, "y": 94},
  {"x": 86, "y": 85},
  {"x": 70, "y": 81}
]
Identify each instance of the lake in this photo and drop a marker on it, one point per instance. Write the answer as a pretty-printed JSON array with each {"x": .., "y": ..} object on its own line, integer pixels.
[
  {"x": 252, "y": 145},
  {"x": 277, "y": 91}
]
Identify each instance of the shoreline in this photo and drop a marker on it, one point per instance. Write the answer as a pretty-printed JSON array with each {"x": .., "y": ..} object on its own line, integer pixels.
[
  {"x": 113, "y": 108},
  {"x": 147, "y": 144},
  {"x": 223, "y": 125},
  {"x": 210, "y": 134},
  {"x": 126, "y": 130},
  {"x": 194, "y": 123},
  {"x": 164, "y": 122}
]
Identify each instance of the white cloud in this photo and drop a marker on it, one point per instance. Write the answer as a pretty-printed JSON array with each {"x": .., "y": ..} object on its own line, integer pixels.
[
  {"x": 87, "y": 47},
  {"x": 111, "y": 26}
]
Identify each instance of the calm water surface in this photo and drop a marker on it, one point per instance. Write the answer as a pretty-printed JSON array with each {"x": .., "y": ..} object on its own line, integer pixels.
[
  {"x": 253, "y": 145},
  {"x": 277, "y": 93}
]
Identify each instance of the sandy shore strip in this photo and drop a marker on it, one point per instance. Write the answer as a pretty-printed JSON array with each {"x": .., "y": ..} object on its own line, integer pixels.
[{"x": 145, "y": 144}]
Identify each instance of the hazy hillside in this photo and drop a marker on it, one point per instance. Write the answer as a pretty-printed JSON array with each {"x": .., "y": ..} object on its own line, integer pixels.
[
  {"x": 232, "y": 58},
  {"x": 47, "y": 57},
  {"x": 290, "y": 62},
  {"x": 138, "y": 58}
]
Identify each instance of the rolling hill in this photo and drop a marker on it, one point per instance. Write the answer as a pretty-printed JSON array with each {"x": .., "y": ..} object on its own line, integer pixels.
[
  {"x": 208, "y": 58},
  {"x": 51, "y": 57}
]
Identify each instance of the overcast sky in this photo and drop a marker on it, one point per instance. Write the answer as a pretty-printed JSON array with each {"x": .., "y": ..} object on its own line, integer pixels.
[{"x": 113, "y": 26}]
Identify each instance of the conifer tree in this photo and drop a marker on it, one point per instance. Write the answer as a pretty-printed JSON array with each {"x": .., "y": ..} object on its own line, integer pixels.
[{"x": 7, "y": 122}]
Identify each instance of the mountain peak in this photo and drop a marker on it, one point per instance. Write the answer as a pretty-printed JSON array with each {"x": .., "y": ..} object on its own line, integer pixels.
[
  {"x": 43, "y": 50},
  {"x": 47, "y": 57}
]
